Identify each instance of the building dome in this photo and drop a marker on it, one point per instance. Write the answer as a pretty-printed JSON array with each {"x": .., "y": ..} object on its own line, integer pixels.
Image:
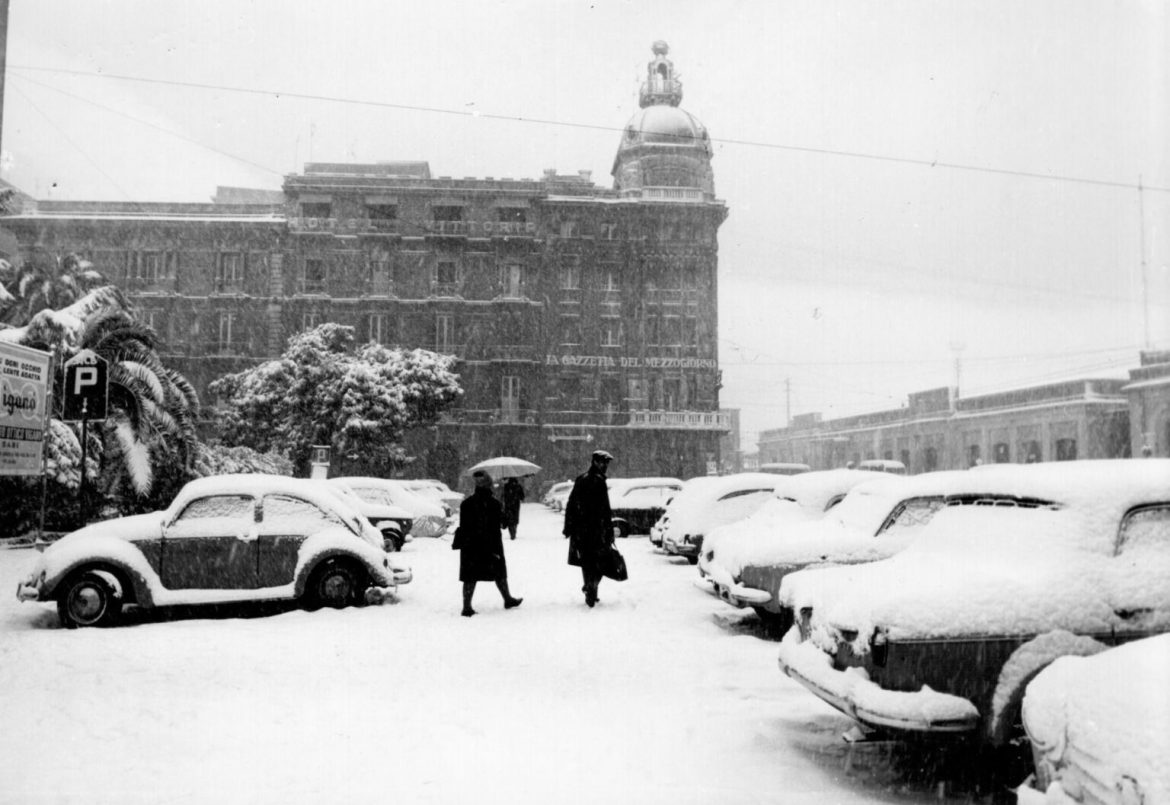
[
  {"x": 666, "y": 125},
  {"x": 663, "y": 146}
]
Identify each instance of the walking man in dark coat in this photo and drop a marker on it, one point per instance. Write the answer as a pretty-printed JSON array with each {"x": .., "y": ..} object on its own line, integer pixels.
[
  {"x": 588, "y": 523},
  {"x": 513, "y": 495},
  {"x": 481, "y": 547}
]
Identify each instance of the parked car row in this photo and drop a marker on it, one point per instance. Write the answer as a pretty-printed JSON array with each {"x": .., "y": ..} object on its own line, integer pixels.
[{"x": 1001, "y": 604}]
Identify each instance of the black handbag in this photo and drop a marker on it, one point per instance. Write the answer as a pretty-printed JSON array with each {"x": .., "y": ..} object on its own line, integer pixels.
[{"x": 613, "y": 564}]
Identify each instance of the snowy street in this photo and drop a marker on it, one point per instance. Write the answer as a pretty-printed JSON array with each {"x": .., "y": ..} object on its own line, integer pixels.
[{"x": 659, "y": 694}]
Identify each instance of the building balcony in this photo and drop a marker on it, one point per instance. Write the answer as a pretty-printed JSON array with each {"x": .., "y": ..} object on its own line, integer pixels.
[
  {"x": 447, "y": 290},
  {"x": 684, "y": 195}
]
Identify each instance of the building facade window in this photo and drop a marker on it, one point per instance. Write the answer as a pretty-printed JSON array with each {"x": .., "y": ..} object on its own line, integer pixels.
[
  {"x": 1030, "y": 451},
  {"x": 512, "y": 280},
  {"x": 973, "y": 455},
  {"x": 568, "y": 229},
  {"x": 1066, "y": 449},
  {"x": 310, "y": 319},
  {"x": 376, "y": 327},
  {"x": 381, "y": 276},
  {"x": 611, "y": 333},
  {"x": 443, "y": 213},
  {"x": 314, "y": 277},
  {"x": 444, "y": 332},
  {"x": 1002, "y": 453},
  {"x": 382, "y": 212},
  {"x": 513, "y": 215},
  {"x": 229, "y": 274},
  {"x": 609, "y": 279},
  {"x": 316, "y": 209},
  {"x": 226, "y": 343},
  {"x": 510, "y": 398},
  {"x": 570, "y": 335},
  {"x": 148, "y": 267},
  {"x": 570, "y": 276}
]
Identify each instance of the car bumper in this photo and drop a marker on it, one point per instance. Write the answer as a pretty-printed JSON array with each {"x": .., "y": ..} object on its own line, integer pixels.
[
  {"x": 680, "y": 548},
  {"x": 851, "y": 692},
  {"x": 29, "y": 590},
  {"x": 735, "y": 594}
]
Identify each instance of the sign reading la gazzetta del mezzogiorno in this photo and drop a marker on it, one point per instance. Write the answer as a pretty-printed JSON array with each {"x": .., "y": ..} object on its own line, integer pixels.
[
  {"x": 609, "y": 362},
  {"x": 24, "y": 376}
]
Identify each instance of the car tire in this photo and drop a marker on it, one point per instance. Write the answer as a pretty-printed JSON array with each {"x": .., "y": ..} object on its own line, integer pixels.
[
  {"x": 89, "y": 598},
  {"x": 392, "y": 540},
  {"x": 694, "y": 560},
  {"x": 622, "y": 529},
  {"x": 336, "y": 583}
]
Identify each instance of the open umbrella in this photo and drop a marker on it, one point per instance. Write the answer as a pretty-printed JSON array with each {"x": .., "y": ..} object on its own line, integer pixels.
[{"x": 504, "y": 467}]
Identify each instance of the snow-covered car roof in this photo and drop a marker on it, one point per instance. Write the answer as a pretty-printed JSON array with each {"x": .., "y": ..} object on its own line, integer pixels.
[
  {"x": 1077, "y": 714},
  {"x": 691, "y": 508},
  {"x": 396, "y": 491},
  {"x": 797, "y": 498},
  {"x": 1001, "y": 570},
  {"x": 618, "y": 485},
  {"x": 258, "y": 484}
]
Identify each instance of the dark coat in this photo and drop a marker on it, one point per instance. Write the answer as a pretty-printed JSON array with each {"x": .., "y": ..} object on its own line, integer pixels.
[
  {"x": 481, "y": 555},
  {"x": 588, "y": 521},
  {"x": 513, "y": 494}
]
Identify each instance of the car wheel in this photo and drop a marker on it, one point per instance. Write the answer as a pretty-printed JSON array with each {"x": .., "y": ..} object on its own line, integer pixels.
[
  {"x": 392, "y": 540},
  {"x": 336, "y": 583},
  {"x": 694, "y": 560},
  {"x": 90, "y": 598},
  {"x": 622, "y": 529}
]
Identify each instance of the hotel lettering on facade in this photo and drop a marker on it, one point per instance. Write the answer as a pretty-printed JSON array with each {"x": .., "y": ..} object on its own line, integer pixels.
[{"x": 582, "y": 316}]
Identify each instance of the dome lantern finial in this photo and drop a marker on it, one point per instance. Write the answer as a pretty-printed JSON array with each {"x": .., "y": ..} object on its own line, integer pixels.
[{"x": 661, "y": 87}]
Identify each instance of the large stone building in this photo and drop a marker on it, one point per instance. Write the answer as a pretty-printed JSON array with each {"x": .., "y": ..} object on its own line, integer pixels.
[{"x": 582, "y": 316}]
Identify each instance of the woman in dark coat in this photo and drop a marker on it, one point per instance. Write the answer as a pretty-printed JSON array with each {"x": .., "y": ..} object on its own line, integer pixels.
[
  {"x": 481, "y": 547},
  {"x": 513, "y": 494},
  {"x": 589, "y": 523}
]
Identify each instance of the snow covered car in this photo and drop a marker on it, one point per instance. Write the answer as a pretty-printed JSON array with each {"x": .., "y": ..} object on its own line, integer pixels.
[
  {"x": 637, "y": 503},
  {"x": 557, "y": 495},
  {"x": 944, "y": 636},
  {"x": 706, "y": 503},
  {"x": 798, "y": 499},
  {"x": 875, "y": 520},
  {"x": 435, "y": 490},
  {"x": 428, "y": 516},
  {"x": 392, "y": 522},
  {"x": 1100, "y": 727},
  {"x": 225, "y": 538}
]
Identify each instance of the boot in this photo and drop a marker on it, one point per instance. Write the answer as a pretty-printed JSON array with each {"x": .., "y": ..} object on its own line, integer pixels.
[
  {"x": 468, "y": 591},
  {"x": 509, "y": 601}
]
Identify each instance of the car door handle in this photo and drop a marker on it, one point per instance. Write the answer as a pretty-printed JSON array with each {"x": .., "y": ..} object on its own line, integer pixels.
[{"x": 251, "y": 535}]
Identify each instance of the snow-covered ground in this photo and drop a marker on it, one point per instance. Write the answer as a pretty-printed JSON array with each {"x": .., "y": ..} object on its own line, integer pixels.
[{"x": 661, "y": 694}]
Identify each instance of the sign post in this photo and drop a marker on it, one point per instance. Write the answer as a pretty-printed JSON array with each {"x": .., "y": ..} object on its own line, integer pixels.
[{"x": 86, "y": 397}]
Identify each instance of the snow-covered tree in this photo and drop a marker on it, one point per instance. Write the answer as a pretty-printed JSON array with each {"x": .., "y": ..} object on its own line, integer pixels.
[{"x": 326, "y": 389}]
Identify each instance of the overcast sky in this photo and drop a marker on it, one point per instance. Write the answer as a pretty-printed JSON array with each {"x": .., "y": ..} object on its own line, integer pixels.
[{"x": 909, "y": 183}]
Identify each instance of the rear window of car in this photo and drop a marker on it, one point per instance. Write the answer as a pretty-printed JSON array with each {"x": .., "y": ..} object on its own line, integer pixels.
[
  {"x": 296, "y": 515},
  {"x": 1146, "y": 529}
]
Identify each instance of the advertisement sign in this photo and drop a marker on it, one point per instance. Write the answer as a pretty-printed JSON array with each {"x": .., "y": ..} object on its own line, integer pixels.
[{"x": 24, "y": 382}]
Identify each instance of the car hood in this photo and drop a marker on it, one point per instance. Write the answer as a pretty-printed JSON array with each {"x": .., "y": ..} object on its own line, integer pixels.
[
  {"x": 1012, "y": 573},
  {"x": 132, "y": 529},
  {"x": 1077, "y": 714}
]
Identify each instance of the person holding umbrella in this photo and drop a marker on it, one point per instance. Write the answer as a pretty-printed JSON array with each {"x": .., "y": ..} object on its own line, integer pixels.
[
  {"x": 513, "y": 493},
  {"x": 589, "y": 523},
  {"x": 480, "y": 544}
]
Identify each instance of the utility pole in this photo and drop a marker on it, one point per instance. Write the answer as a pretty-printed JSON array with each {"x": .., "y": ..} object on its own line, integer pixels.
[
  {"x": 3, "y": 63},
  {"x": 1145, "y": 273}
]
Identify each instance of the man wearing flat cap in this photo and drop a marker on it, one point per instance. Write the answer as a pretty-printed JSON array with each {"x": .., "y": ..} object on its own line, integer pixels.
[{"x": 589, "y": 523}]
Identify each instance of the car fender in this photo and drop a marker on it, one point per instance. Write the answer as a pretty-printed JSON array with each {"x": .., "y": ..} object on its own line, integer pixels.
[
  {"x": 1021, "y": 668},
  {"x": 335, "y": 542},
  {"x": 108, "y": 554}
]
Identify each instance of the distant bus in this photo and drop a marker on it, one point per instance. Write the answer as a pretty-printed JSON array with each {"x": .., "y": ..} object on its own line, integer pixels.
[
  {"x": 883, "y": 465},
  {"x": 780, "y": 468}
]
